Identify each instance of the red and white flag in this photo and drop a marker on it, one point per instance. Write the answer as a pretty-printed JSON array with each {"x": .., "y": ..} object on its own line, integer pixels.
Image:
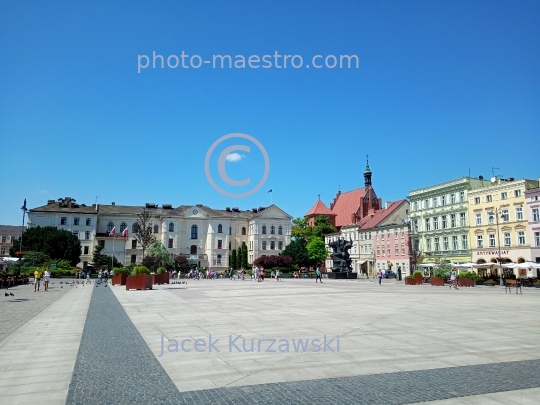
[
  {"x": 125, "y": 233},
  {"x": 113, "y": 231}
]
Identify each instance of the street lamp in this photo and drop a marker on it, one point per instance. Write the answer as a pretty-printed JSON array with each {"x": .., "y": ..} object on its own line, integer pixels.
[
  {"x": 496, "y": 213},
  {"x": 24, "y": 210}
]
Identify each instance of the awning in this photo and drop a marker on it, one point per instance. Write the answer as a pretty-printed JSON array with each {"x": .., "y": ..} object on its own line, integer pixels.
[{"x": 428, "y": 265}]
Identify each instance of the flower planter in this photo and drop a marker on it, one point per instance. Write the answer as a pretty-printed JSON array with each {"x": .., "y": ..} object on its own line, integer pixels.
[
  {"x": 465, "y": 282},
  {"x": 412, "y": 281},
  {"x": 140, "y": 282},
  {"x": 160, "y": 278},
  {"x": 419, "y": 280},
  {"x": 119, "y": 279},
  {"x": 537, "y": 286},
  {"x": 437, "y": 281}
]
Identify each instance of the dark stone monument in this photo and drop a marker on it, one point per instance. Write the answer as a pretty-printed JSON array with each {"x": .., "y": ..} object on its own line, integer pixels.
[{"x": 341, "y": 267}]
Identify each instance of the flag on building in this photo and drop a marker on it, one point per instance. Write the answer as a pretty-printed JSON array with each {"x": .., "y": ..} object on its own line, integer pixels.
[
  {"x": 113, "y": 231},
  {"x": 125, "y": 233},
  {"x": 270, "y": 190}
]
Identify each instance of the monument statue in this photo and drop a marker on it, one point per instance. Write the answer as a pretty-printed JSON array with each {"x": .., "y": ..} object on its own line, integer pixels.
[{"x": 340, "y": 255}]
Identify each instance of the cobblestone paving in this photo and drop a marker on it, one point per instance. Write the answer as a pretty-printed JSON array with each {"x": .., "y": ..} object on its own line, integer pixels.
[
  {"x": 115, "y": 366},
  {"x": 26, "y": 304}
]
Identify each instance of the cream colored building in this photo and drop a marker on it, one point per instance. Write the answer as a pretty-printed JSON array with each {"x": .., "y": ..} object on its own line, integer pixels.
[
  {"x": 198, "y": 232},
  {"x": 498, "y": 219}
]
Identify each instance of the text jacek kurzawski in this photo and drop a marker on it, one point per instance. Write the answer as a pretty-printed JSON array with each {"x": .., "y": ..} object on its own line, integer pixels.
[{"x": 239, "y": 344}]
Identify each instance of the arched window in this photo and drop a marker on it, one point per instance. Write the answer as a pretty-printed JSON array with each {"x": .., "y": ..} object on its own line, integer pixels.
[
  {"x": 194, "y": 232},
  {"x": 193, "y": 250},
  {"x": 219, "y": 259},
  {"x": 171, "y": 227},
  {"x": 220, "y": 228},
  {"x": 243, "y": 230},
  {"x": 272, "y": 229},
  {"x": 135, "y": 228},
  {"x": 110, "y": 226},
  {"x": 123, "y": 227},
  {"x": 156, "y": 228},
  {"x": 264, "y": 229},
  {"x": 280, "y": 230}
]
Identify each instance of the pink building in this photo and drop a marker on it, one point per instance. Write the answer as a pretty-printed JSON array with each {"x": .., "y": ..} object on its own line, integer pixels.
[{"x": 391, "y": 248}]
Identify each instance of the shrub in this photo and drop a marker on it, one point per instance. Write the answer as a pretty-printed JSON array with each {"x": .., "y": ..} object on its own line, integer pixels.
[
  {"x": 123, "y": 270},
  {"x": 468, "y": 274},
  {"x": 417, "y": 273},
  {"x": 410, "y": 277},
  {"x": 138, "y": 270},
  {"x": 161, "y": 270}
]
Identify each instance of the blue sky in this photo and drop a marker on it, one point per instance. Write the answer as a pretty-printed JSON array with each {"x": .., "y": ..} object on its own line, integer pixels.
[{"x": 442, "y": 87}]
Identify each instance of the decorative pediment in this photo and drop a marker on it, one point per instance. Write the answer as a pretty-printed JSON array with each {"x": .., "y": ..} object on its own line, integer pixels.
[{"x": 195, "y": 212}]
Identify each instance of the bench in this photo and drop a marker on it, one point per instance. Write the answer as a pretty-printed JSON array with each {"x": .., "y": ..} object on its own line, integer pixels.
[{"x": 508, "y": 284}]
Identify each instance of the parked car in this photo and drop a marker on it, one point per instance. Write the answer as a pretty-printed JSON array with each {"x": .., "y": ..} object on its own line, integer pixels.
[{"x": 390, "y": 274}]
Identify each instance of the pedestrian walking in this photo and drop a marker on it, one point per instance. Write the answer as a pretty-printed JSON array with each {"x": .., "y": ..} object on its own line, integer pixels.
[
  {"x": 46, "y": 279},
  {"x": 37, "y": 279},
  {"x": 278, "y": 275},
  {"x": 379, "y": 277},
  {"x": 453, "y": 279},
  {"x": 318, "y": 275}
]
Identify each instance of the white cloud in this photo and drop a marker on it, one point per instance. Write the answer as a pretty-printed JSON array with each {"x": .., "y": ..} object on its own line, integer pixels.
[{"x": 234, "y": 157}]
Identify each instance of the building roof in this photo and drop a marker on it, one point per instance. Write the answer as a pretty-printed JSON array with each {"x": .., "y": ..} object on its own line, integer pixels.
[
  {"x": 320, "y": 209},
  {"x": 346, "y": 204},
  {"x": 381, "y": 215}
]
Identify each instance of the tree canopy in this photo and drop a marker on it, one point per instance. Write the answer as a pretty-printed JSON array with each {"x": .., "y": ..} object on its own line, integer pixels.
[
  {"x": 317, "y": 250},
  {"x": 297, "y": 251},
  {"x": 321, "y": 227},
  {"x": 56, "y": 243}
]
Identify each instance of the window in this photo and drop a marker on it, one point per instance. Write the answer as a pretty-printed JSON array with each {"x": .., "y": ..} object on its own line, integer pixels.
[
  {"x": 477, "y": 200},
  {"x": 171, "y": 227},
  {"x": 194, "y": 232},
  {"x": 4, "y": 239},
  {"x": 464, "y": 242},
  {"x": 135, "y": 228},
  {"x": 87, "y": 235},
  {"x": 382, "y": 236},
  {"x": 273, "y": 230},
  {"x": 479, "y": 241},
  {"x": 76, "y": 221},
  {"x": 435, "y": 223},
  {"x": 453, "y": 220},
  {"x": 491, "y": 218},
  {"x": 478, "y": 218},
  {"x": 133, "y": 259},
  {"x": 536, "y": 215},
  {"x": 415, "y": 226},
  {"x": 428, "y": 244},
  {"x": 264, "y": 245},
  {"x": 397, "y": 249},
  {"x": 415, "y": 206},
  {"x": 454, "y": 243},
  {"x": 435, "y": 201},
  {"x": 2, "y": 251},
  {"x": 156, "y": 228},
  {"x": 171, "y": 243},
  {"x": 264, "y": 229},
  {"x": 220, "y": 228},
  {"x": 507, "y": 239},
  {"x": 443, "y": 200},
  {"x": 63, "y": 221},
  {"x": 403, "y": 234},
  {"x": 383, "y": 250},
  {"x": 378, "y": 251},
  {"x": 517, "y": 193},
  {"x": 537, "y": 239},
  {"x": 444, "y": 222},
  {"x": 272, "y": 245},
  {"x": 504, "y": 214},
  {"x": 452, "y": 198},
  {"x": 445, "y": 243},
  {"x": 504, "y": 195},
  {"x": 123, "y": 227},
  {"x": 462, "y": 221},
  {"x": 519, "y": 213},
  {"x": 428, "y": 224},
  {"x": 403, "y": 248},
  {"x": 134, "y": 243},
  {"x": 230, "y": 230},
  {"x": 488, "y": 198},
  {"x": 492, "y": 240},
  {"x": 280, "y": 230},
  {"x": 437, "y": 246},
  {"x": 75, "y": 233},
  {"x": 85, "y": 250},
  {"x": 426, "y": 204},
  {"x": 396, "y": 235},
  {"x": 88, "y": 221},
  {"x": 110, "y": 226},
  {"x": 219, "y": 259},
  {"x": 243, "y": 230},
  {"x": 230, "y": 245},
  {"x": 461, "y": 196},
  {"x": 220, "y": 244},
  {"x": 521, "y": 237},
  {"x": 193, "y": 250}
]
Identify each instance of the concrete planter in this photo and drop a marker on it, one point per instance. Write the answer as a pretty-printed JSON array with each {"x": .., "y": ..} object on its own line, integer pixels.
[
  {"x": 119, "y": 279},
  {"x": 413, "y": 281},
  {"x": 140, "y": 282},
  {"x": 419, "y": 279},
  {"x": 437, "y": 281},
  {"x": 160, "y": 278},
  {"x": 465, "y": 282}
]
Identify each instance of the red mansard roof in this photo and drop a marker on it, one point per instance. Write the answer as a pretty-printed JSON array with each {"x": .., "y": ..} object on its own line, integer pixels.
[{"x": 320, "y": 209}]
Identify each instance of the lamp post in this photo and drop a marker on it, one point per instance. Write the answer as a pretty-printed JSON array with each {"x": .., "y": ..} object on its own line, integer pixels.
[
  {"x": 496, "y": 213},
  {"x": 24, "y": 210}
]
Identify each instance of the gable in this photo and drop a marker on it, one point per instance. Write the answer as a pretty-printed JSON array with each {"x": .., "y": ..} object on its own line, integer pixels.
[
  {"x": 273, "y": 212},
  {"x": 195, "y": 212}
]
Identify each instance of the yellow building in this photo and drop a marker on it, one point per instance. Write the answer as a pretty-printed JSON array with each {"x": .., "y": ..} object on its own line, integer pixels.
[{"x": 498, "y": 221}]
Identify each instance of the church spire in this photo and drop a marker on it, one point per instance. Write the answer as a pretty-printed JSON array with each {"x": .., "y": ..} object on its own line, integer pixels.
[{"x": 367, "y": 174}]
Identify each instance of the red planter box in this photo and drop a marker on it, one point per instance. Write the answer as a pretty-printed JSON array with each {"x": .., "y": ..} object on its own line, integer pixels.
[
  {"x": 438, "y": 281},
  {"x": 119, "y": 279},
  {"x": 419, "y": 280},
  {"x": 465, "y": 282},
  {"x": 140, "y": 282},
  {"x": 160, "y": 278},
  {"x": 412, "y": 281}
]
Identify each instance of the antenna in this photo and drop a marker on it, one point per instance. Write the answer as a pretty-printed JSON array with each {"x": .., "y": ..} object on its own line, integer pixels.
[
  {"x": 493, "y": 170},
  {"x": 96, "y": 199}
]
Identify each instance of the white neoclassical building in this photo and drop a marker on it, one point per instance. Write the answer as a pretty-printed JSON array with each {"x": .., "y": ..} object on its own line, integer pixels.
[{"x": 196, "y": 231}]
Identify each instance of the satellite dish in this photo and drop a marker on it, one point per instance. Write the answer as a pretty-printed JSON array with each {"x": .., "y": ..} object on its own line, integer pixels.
[{"x": 494, "y": 179}]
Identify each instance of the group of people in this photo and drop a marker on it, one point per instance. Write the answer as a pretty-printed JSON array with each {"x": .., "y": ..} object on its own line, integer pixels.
[{"x": 38, "y": 276}]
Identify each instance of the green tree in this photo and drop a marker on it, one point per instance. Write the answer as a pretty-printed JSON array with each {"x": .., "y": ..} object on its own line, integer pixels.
[
  {"x": 99, "y": 260},
  {"x": 35, "y": 259},
  {"x": 54, "y": 242},
  {"x": 244, "y": 257},
  {"x": 158, "y": 249},
  {"x": 322, "y": 227},
  {"x": 233, "y": 259},
  {"x": 317, "y": 250},
  {"x": 301, "y": 229},
  {"x": 297, "y": 251},
  {"x": 180, "y": 263}
]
